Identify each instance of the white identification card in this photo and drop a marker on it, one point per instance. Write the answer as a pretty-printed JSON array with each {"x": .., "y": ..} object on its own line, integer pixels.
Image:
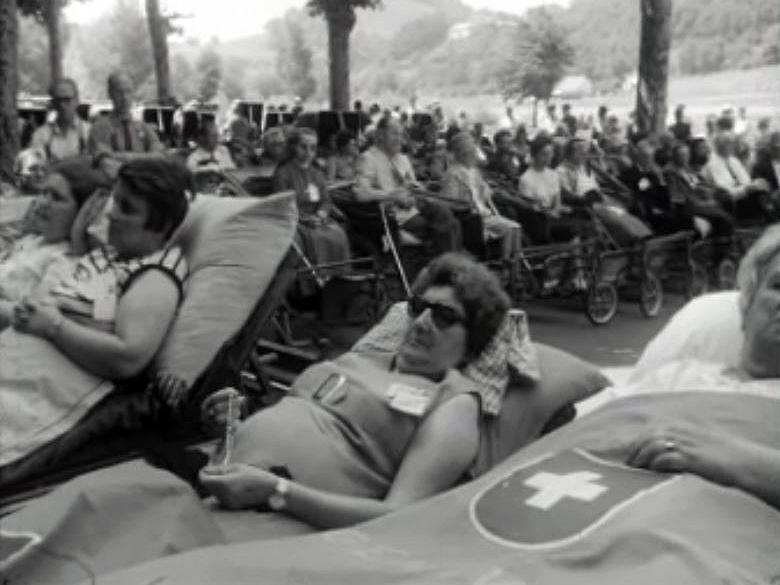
[
  {"x": 104, "y": 304},
  {"x": 314, "y": 193},
  {"x": 408, "y": 399}
]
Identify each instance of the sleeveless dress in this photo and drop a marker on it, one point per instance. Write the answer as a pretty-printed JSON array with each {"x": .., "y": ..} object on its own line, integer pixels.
[
  {"x": 43, "y": 393},
  {"x": 340, "y": 430}
]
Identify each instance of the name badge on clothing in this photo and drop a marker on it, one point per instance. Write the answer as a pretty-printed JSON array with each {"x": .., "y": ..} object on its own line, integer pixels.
[
  {"x": 408, "y": 399},
  {"x": 314, "y": 193}
]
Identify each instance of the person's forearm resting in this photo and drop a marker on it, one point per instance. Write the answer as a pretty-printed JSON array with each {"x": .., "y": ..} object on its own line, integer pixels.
[
  {"x": 143, "y": 318},
  {"x": 365, "y": 193},
  {"x": 758, "y": 473}
]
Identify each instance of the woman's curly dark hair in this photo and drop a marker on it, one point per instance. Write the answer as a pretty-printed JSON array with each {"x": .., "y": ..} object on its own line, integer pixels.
[{"x": 477, "y": 289}]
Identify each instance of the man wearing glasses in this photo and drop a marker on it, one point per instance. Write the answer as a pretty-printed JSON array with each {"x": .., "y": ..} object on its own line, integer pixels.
[{"x": 66, "y": 136}]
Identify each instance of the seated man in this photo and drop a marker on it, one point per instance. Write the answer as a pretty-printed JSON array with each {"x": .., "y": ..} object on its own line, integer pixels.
[
  {"x": 117, "y": 137},
  {"x": 725, "y": 171},
  {"x": 766, "y": 172},
  {"x": 386, "y": 177},
  {"x": 210, "y": 155},
  {"x": 691, "y": 197},
  {"x": 66, "y": 136}
]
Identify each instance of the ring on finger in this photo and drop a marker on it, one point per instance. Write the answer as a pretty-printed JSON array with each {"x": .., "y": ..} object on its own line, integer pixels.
[{"x": 669, "y": 445}]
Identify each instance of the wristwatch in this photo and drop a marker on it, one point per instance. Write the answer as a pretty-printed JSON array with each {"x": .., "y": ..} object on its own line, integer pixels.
[{"x": 278, "y": 500}]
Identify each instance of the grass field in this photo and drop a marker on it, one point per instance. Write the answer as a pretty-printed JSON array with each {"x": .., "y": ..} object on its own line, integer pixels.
[{"x": 758, "y": 90}]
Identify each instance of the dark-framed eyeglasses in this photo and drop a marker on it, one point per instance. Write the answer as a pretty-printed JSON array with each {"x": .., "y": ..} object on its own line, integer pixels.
[{"x": 443, "y": 317}]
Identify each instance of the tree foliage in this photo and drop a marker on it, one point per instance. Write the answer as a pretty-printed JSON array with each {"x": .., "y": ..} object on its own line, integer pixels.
[
  {"x": 210, "y": 66},
  {"x": 294, "y": 59},
  {"x": 33, "y": 56},
  {"x": 540, "y": 59}
]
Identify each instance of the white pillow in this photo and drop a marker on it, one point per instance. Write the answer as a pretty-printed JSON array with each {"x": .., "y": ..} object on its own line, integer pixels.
[{"x": 708, "y": 328}]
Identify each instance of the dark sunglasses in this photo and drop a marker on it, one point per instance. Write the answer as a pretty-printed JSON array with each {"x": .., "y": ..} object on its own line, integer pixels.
[{"x": 443, "y": 316}]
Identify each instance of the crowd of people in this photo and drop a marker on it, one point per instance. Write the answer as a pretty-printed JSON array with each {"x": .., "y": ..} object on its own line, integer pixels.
[{"x": 371, "y": 431}]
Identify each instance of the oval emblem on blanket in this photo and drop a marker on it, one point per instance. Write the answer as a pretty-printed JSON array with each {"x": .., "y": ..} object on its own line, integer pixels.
[{"x": 557, "y": 499}]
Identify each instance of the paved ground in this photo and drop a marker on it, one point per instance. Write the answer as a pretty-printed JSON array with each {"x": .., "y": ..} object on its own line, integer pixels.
[{"x": 563, "y": 323}]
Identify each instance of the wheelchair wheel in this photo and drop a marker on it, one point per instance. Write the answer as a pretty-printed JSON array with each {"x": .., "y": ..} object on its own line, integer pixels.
[
  {"x": 698, "y": 283},
  {"x": 726, "y": 274},
  {"x": 601, "y": 303},
  {"x": 651, "y": 295}
]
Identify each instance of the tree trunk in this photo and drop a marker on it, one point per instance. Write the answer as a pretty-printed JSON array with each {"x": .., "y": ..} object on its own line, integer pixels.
[
  {"x": 53, "y": 12},
  {"x": 158, "y": 32},
  {"x": 340, "y": 23},
  {"x": 9, "y": 82},
  {"x": 653, "y": 65}
]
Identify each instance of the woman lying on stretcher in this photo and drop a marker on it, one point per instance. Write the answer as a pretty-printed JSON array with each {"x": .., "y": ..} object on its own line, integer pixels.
[
  {"x": 104, "y": 320},
  {"x": 45, "y": 242},
  {"x": 370, "y": 432}
]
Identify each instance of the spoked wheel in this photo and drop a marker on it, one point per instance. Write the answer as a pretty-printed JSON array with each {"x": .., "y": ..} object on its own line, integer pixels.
[
  {"x": 601, "y": 303},
  {"x": 651, "y": 295},
  {"x": 727, "y": 274},
  {"x": 698, "y": 283}
]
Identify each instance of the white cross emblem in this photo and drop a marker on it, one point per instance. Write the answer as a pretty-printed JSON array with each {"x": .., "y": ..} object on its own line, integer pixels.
[{"x": 553, "y": 488}]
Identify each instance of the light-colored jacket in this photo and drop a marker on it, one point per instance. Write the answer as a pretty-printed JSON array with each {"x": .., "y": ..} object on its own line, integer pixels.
[{"x": 461, "y": 185}]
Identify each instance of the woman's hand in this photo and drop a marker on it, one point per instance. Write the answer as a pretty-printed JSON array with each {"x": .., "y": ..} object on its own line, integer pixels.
[
  {"x": 692, "y": 449},
  {"x": 214, "y": 410},
  {"x": 238, "y": 486},
  {"x": 41, "y": 318}
]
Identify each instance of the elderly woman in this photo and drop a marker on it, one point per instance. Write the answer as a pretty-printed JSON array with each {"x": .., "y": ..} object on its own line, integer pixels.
[
  {"x": 369, "y": 432},
  {"x": 42, "y": 250},
  {"x": 324, "y": 240},
  {"x": 463, "y": 183},
  {"x": 106, "y": 320},
  {"x": 692, "y": 448}
]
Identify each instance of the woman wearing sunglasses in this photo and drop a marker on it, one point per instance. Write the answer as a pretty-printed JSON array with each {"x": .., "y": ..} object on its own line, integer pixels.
[{"x": 370, "y": 432}]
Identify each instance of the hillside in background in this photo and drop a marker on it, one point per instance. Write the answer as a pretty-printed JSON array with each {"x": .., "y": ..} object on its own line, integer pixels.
[
  {"x": 414, "y": 46},
  {"x": 418, "y": 47}
]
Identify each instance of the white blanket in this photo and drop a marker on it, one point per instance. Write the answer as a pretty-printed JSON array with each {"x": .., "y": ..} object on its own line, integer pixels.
[{"x": 42, "y": 394}]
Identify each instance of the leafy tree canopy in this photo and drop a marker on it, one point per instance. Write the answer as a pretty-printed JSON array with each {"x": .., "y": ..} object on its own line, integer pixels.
[{"x": 541, "y": 57}]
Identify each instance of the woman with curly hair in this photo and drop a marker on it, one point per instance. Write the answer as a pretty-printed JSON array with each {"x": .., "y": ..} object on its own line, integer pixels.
[{"x": 371, "y": 431}]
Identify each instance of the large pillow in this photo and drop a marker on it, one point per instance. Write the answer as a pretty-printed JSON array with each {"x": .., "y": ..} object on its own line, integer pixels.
[
  {"x": 233, "y": 247},
  {"x": 565, "y": 380},
  {"x": 708, "y": 328}
]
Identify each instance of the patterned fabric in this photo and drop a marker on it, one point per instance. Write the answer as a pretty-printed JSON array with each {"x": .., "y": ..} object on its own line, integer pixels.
[
  {"x": 98, "y": 281},
  {"x": 508, "y": 357}
]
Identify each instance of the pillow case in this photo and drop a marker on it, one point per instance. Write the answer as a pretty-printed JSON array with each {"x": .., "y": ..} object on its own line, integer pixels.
[
  {"x": 565, "y": 379},
  {"x": 233, "y": 247},
  {"x": 708, "y": 328}
]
